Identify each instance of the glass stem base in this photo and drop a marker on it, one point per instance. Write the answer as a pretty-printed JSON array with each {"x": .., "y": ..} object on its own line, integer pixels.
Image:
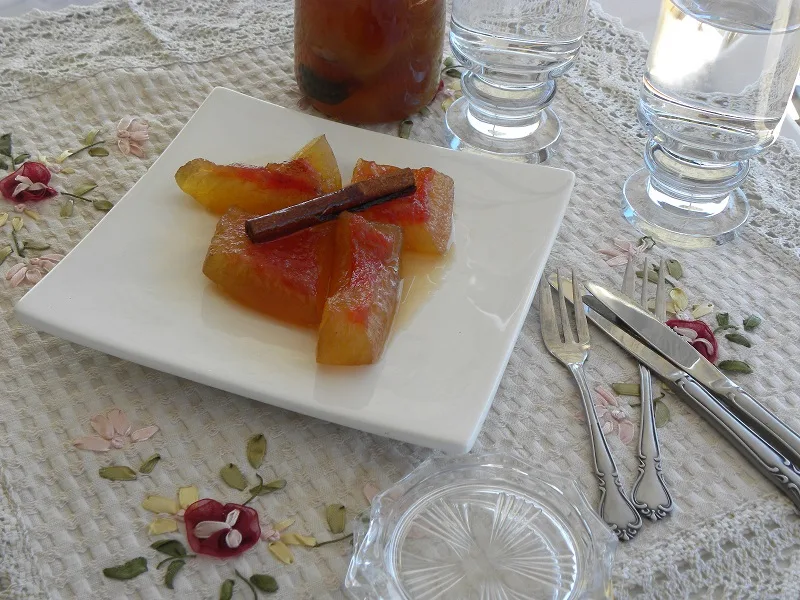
[
  {"x": 686, "y": 203},
  {"x": 512, "y": 122}
]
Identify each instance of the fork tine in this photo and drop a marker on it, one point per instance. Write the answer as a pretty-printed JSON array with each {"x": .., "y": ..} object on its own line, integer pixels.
[
  {"x": 645, "y": 281},
  {"x": 661, "y": 294},
  {"x": 565, "y": 322},
  {"x": 580, "y": 316},
  {"x": 629, "y": 280},
  {"x": 547, "y": 313}
]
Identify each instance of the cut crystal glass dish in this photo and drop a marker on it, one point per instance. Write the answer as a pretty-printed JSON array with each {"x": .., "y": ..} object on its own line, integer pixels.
[{"x": 481, "y": 527}]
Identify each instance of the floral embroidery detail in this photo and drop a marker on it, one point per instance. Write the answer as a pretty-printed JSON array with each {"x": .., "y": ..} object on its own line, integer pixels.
[
  {"x": 222, "y": 531},
  {"x": 370, "y": 491},
  {"x": 169, "y": 512},
  {"x": 114, "y": 429},
  {"x": 279, "y": 541},
  {"x": 33, "y": 270},
  {"x": 132, "y": 133},
  {"x": 28, "y": 183},
  {"x": 624, "y": 251},
  {"x": 698, "y": 334},
  {"x": 613, "y": 419}
]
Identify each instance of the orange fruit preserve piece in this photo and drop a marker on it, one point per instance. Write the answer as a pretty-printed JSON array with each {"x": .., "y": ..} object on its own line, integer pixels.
[
  {"x": 286, "y": 278},
  {"x": 319, "y": 154},
  {"x": 426, "y": 216},
  {"x": 260, "y": 190},
  {"x": 365, "y": 285}
]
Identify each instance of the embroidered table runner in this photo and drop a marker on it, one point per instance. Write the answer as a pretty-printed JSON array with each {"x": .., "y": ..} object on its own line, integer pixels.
[{"x": 82, "y": 69}]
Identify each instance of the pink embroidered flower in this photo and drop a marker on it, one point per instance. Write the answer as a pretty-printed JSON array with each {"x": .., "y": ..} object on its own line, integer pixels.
[
  {"x": 624, "y": 251},
  {"x": 222, "y": 531},
  {"x": 28, "y": 183},
  {"x": 370, "y": 491},
  {"x": 132, "y": 133},
  {"x": 698, "y": 334},
  {"x": 114, "y": 429},
  {"x": 33, "y": 270},
  {"x": 613, "y": 419}
]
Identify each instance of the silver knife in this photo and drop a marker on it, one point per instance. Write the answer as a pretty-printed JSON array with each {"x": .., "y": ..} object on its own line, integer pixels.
[
  {"x": 673, "y": 347},
  {"x": 781, "y": 472}
]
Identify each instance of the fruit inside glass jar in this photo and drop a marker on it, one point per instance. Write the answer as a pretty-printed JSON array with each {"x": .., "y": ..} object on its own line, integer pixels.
[{"x": 369, "y": 61}]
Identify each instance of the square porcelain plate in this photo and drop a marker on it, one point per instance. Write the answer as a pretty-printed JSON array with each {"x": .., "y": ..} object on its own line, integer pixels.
[{"x": 134, "y": 287}]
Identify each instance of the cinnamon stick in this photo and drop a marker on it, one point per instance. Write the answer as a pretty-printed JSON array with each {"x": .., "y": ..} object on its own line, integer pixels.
[{"x": 354, "y": 197}]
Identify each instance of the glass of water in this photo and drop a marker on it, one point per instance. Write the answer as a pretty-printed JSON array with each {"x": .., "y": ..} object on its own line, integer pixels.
[
  {"x": 513, "y": 51},
  {"x": 719, "y": 76}
]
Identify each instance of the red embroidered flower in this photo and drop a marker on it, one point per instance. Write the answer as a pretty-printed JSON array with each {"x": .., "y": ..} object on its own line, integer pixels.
[
  {"x": 28, "y": 183},
  {"x": 221, "y": 530},
  {"x": 698, "y": 334}
]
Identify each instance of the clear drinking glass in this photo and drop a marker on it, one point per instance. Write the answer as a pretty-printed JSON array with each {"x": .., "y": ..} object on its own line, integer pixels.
[
  {"x": 719, "y": 76},
  {"x": 513, "y": 50}
]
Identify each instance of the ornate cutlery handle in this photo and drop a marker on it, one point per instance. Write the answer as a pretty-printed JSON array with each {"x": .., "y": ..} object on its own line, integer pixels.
[
  {"x": 615, "y": 507},
  {"x": 650, "y": 495},
  {"x": 757, "y": 416},
  {"x": 764, "y": 457}
]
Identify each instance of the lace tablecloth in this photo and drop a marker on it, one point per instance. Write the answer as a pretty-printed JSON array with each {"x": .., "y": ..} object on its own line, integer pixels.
[{"x": 61, "y": 74}]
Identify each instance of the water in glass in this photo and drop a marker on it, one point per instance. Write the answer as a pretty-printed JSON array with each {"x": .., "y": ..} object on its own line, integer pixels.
[
  {"x": 513, "y": 51},
  {"x": 718, "y": 79}
]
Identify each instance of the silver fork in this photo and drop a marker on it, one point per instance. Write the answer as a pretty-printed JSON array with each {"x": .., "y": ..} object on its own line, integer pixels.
[
  {"x": 650, "y": 494},
  {"x": 615, "y": 507}
]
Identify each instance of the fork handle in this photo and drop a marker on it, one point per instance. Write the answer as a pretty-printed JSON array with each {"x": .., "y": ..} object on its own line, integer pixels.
[
  {"x": 769, "y": 462},
  {"x": 615, "y": 507},
  {"x": 650, "y": 495}
]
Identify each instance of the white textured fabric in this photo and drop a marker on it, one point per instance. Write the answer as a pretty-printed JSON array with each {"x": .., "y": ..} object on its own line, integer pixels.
[{"x": 732, "y": 536}]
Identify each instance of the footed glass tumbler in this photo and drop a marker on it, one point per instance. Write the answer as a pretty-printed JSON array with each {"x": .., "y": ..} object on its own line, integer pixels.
[
  {"x": 513, "y": 51},
  {"x": 719, "y": 76}
]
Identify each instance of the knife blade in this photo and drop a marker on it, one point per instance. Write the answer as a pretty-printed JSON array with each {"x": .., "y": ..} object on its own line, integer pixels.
[
  {"x": 770, "y": 463},
  {"x": 674, "y": 348}
]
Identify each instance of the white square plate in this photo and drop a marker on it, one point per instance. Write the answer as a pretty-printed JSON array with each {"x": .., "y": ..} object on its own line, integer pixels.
[{"x": 134, "y": 286}]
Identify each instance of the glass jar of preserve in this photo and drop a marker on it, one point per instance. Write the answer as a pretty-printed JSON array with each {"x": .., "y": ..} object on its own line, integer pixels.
[{"x": 369, "y": 61}]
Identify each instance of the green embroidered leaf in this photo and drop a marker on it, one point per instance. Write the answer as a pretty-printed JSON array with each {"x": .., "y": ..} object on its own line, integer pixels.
[
  {"x": 3, "y": 218},
  {"x": 226, "y": 590},
  {"x": 169, "y": 547},
  {"x": 21, "y": 158},
  {"x": 256, "y": 450},
  {"x": 723, "y": 319},
  {"x": 701, "y": 310},
  {"x": 424, "y": 111},
  {"x": 450, "y": 62},
  {"x": 67, "y": 171},
  {"x": 67, "y": 207},
  {"x": 680, "y": 301},
  {"x": 269, "y": 487},
  {"x": 404, "y": 130},
  {"x": 735, "y": 366},
  {"x": 103, "y": 205},
  {"x": 63, "y": 156},
  {"x": 751, "y": 322},
  {"x": 117, "y": 473},
  {"x": 3, "y": 164},
  {"x": 17, "y": 223},
  {"x": 98, "y": 151},
  {"x": 129, "y": 570},
  {"x": 5, "y": 252},
  {"x": 5, "y": 144},
  {"x": 738, "y": 338},
  {"x": 88, "y": 140},
  {"x": 626, "y": 389},
  {"x": 335, "y": 515},
  {"x": 662, "y": 413},
  {"x": 232, "y": 475},
  {"x": 84, "y": 189},
  {"x": 31, "y": 245},
  {"x": 453, "y": 72},
  {"x": 150, "y": 464},
  {"x": 264, "y": 583},
  {"x": 172, "y": 571},
  {"x": 32, "y": 214}
]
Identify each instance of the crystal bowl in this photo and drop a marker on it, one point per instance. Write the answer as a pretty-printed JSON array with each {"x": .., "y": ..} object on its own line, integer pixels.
[{"x": 485, "y": 527}]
